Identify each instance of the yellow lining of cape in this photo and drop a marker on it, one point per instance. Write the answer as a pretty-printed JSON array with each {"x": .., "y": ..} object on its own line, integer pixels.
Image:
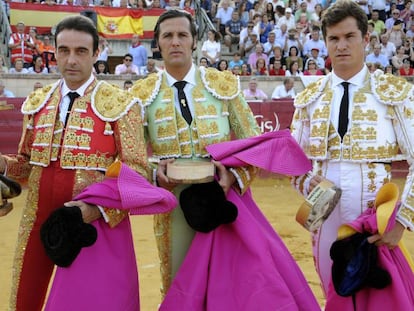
[{"x": 385, "y": 202}]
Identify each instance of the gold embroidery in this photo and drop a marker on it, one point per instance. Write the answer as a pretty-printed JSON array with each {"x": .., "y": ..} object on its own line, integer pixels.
[
  {"x": 111, "y": 103},
  {"x": 321, "y": 113},
  {"x": 359, "y": 115},
  {"x": 143, "y": 88},
  {"x": 359, "y": 97},
  {"x": 391, "y": 88},
  {"x": 224, "y": 83},
  {"x": 318, "y": 131},
  {"x": 407, "y": 213},
  {"x": 26, "y": 222}
]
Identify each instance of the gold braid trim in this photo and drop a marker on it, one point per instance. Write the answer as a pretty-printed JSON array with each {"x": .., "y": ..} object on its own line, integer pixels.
[
  {"x": 390, "y": 89},
  {"x": 147, "y": 89},
  {"x": 221, "y": 84},
  {"x": 244, "y": 177},
  {"x": 110, "y": 103},
  {"x": 38, "y": 99}
]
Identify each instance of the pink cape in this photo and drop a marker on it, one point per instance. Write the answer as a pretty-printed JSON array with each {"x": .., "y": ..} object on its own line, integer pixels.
[
  {"x": 245, "y": 265},
  {"x": 241, "y": 266},
  {"x": 399, "y": 295},
  {"x": 276, "y": 152},
  {"x": 104, "y": 276}
]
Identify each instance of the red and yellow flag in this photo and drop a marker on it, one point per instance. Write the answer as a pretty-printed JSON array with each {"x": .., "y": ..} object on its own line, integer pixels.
[
  {"x": 116, "y": 23},
  {"x": 120, "y": 23}
]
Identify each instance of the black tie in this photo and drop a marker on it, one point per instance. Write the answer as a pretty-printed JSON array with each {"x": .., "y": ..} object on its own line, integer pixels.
[
  {"x": 72, "y": 96},
  {"x": 343, "y": 111},
  {"x": 185, "y": 110}
]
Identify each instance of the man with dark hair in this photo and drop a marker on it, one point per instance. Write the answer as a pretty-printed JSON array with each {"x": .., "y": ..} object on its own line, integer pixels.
[
  {"x": 353, "y": 125},
  {"x": 127, "y": 67},
  {"x": 74, "y": 129},
  {"x": 127, "y": 84},
  {"x": 188, "y": 108},
  {"x": 207, "y": 90}
]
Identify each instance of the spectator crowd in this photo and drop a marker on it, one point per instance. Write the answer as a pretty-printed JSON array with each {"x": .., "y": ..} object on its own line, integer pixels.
[{"x": 252, "y": 38}]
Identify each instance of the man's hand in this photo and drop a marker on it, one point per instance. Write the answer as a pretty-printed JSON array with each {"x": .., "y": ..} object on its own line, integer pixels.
[
  {"x": 162, "y": 179},
  {"x": 316, "y": 180},
  {"x": 226, "y": 178},
  {"x": 89, "y": 212},
  {"x": 389, "y": 239}
]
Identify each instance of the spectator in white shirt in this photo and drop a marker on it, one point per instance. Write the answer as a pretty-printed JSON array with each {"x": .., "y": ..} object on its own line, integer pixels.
[
  {"x": 377, "y": 57},
  {"x": 287, "y": 19},
  {"x": 284, "y": 90}
]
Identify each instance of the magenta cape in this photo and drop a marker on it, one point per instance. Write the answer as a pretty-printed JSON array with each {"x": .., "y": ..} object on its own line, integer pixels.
[
  {"x": 241, "y": 266},
  {"x": 244, "y": 265},
  {"x": 104, "y": 276},
  {"x": 276, "y": 152},
  {"x": 399, "y": 295}
]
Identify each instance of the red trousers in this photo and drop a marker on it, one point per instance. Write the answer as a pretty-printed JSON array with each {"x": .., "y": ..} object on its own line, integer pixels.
[{"x": 55, "y": 188}]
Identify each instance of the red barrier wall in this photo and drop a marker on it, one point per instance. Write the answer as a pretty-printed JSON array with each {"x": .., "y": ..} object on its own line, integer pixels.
[{"x": 270, "y": 115}]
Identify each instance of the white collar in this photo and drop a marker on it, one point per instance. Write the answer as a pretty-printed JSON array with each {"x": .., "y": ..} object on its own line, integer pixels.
[
  {"x": 357, "y": 80},
  {"x": 190, "y": 77},
  {"x": 81, "y": 90}
]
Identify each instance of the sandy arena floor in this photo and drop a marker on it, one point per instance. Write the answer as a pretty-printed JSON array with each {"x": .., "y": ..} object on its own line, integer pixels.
[{"x": 275, "y": 197}]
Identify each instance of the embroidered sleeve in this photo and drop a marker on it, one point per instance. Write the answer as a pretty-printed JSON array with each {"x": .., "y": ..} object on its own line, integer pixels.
[
  {"x": 300, "y": 131},
  {"x": 129, "y": 136},
  {"x": 18, "y": 166},
  {"x": 244, "y": 125},
  {"x": 403, "y": 121}
]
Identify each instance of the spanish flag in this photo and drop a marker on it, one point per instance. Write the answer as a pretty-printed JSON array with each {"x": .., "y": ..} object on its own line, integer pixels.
[
  {"x": 120, "y": 23},
  {"x": 112, "y": 23}
]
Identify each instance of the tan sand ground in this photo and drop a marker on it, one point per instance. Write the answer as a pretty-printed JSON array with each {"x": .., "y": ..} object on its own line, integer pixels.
[{"x": 275, "y": 196}]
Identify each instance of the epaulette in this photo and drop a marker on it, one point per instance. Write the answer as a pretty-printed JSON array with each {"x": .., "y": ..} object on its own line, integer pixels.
[
  {"x": 110, "y": 103},
  {"x": 221, "y": 84},
  {"x": 310, "y": 93},
  {"x": 390, "y": 89},
  {"x": 38, "y": 98},
  {"x": 147, "y": 89}
]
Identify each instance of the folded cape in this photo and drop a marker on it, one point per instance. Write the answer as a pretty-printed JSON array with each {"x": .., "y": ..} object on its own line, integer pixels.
[
  {"x": 128, "y": 190},
  {"x": 399, "y": 295},
  {"x": 243, "y": 265},
  {"x": 276, "y": 152},
  {"x": 104, "y": 276}
]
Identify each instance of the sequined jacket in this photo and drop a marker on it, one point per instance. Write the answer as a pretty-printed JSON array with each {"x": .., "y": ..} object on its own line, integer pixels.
[
  {"x": 104, "y": 125},
  {"x": 381, "y": 128},
  {"x": 219, "y": 111}
]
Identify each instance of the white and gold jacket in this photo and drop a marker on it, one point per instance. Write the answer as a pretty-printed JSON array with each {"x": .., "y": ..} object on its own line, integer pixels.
[{"x": 381, "y": 129}]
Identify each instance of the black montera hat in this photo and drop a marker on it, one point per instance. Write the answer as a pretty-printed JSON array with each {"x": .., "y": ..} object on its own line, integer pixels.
[
  {"x": 64, "y": 234},
  {"x": 205, "y": 206}
]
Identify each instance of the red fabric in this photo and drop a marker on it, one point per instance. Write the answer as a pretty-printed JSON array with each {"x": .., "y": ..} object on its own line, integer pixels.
[
  {"x": 280, "y": 72},
  {"x": 56, "y": 187}
]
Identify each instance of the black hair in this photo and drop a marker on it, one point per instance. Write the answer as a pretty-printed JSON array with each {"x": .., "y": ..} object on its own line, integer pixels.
[
  {"x": 341, "y": 10},
  {"x": 79, "y": 23},
  {"x": 175, "y": 14},
  {"x": 96, "y": 65}
]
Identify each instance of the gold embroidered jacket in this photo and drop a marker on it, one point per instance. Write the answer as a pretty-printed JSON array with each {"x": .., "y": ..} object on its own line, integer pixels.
[
  {"x": 381, "y": 128},
  {"x": 219, "y": 111}
]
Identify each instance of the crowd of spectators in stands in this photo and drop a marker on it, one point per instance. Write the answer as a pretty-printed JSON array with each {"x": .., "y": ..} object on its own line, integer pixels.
[
  {"x": 283, "y": 37},
  {"x": 252, "y": 38}
]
